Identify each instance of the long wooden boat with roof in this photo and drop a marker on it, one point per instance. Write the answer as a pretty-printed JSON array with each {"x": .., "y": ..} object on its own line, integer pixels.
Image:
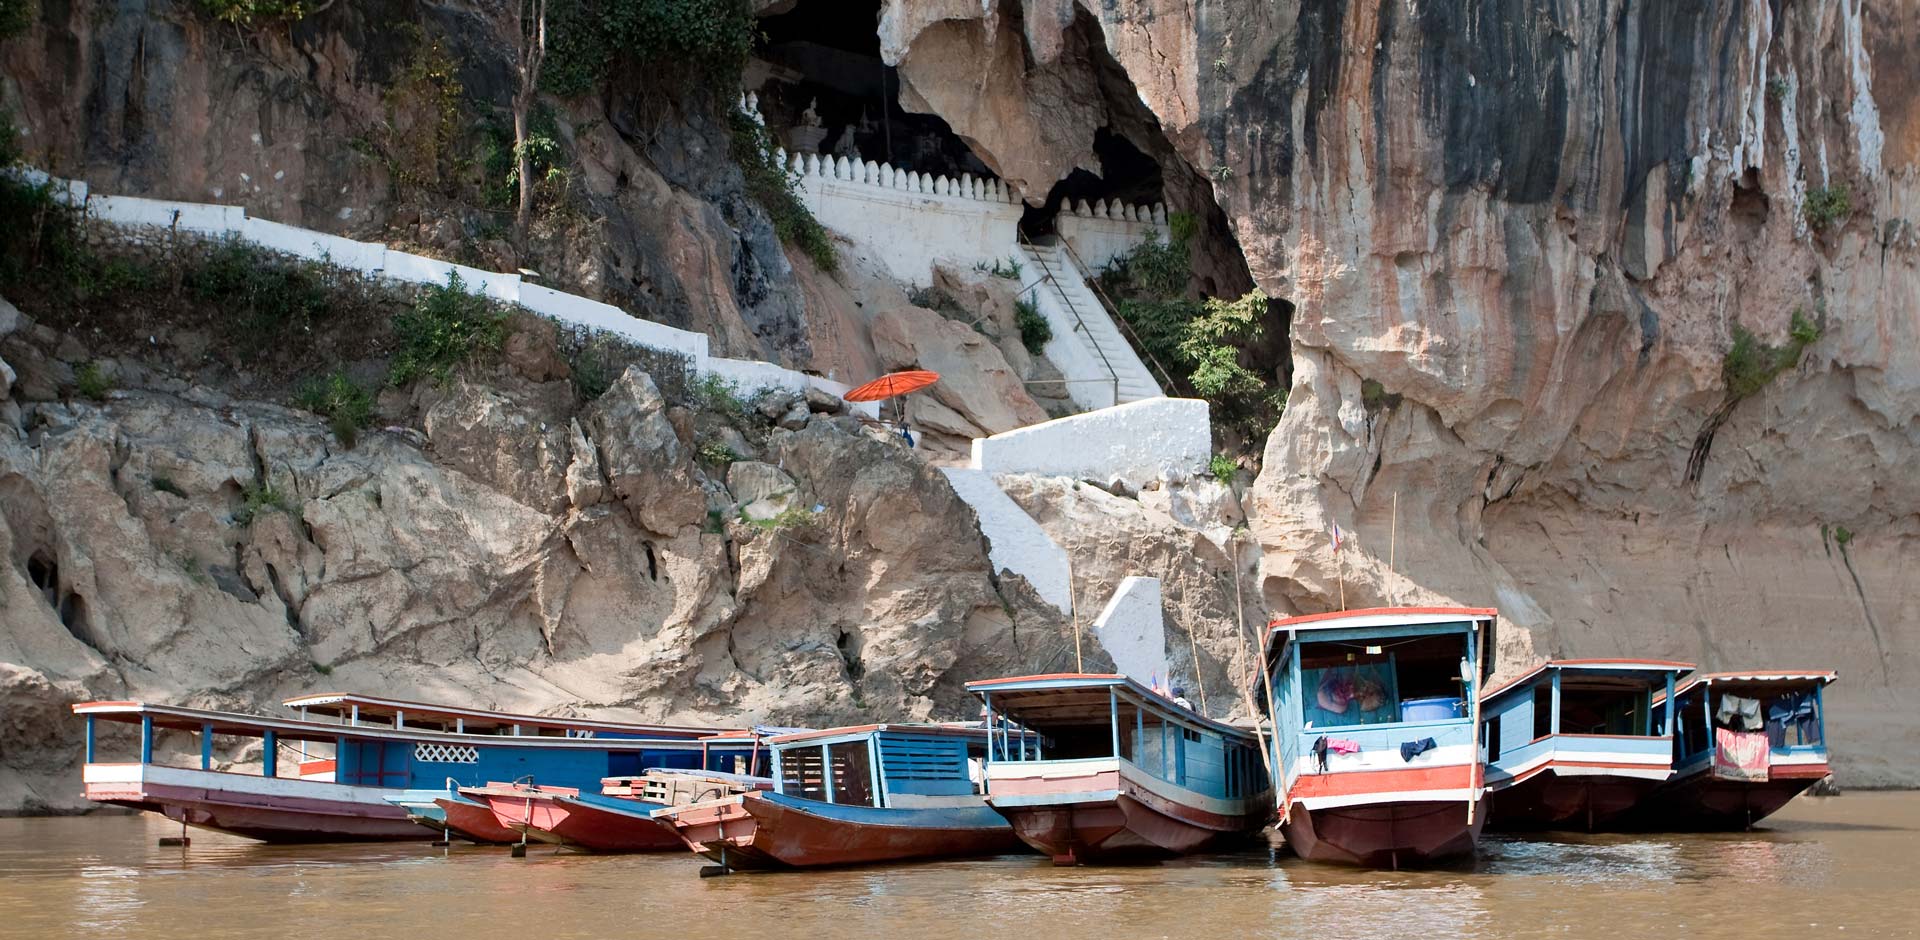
[
  {"x": 364, "y": 775},
  {"x": 853, "y": 796},
  {"x": 1577, "y": 743},
  {"x": 1744, "y": 744},
  {"x": 1376, "y": 733},
  {"x": 1114, "y": 771}
]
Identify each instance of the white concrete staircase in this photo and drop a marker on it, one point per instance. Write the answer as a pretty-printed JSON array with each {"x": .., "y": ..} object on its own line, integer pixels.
[{"x": 1101, "y": 367}]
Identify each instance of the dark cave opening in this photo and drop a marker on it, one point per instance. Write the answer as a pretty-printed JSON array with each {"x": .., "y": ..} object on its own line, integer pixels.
[
  {"x": 825, "y": 56},
  {"x": 1127, "y": 176}
]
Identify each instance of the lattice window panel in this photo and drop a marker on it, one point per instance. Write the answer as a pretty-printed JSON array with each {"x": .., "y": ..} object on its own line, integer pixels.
[{"x": 446, "y": 753}]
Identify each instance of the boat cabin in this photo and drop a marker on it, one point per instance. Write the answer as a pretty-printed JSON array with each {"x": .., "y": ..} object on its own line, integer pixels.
[
  {"x": 889, "y": 766},
  {"x": 1077, "y": 718},
  {"x": 1352, "y": 689},
  {"x": 1602, "y": 706},
  {"x": 397, "y": 755},
  {"x": 1751, "y": 725}
]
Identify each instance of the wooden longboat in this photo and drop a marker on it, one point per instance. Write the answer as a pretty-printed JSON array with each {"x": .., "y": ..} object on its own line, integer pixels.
[
  {"x": 1375, "y": 737},
  {"x": 1709, "y": 791},
  {"x": 852, "y": 796},
  {"x": 1577, "y": 743},
  {"x": 359, "y": 776},
  {"x": 1116, "y": 772}
]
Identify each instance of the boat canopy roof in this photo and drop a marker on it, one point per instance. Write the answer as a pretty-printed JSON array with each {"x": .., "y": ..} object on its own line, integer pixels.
[
  {"x": 1079, "y": 699},
  {"x": 957, "y": 730},
  {"x": 344, "y": 705},
  {"x": 181, "y": 718},
  {"x": 1760, "y": 679},
  {"x": 1628, "y": 673},
  {"x": 1374, "y": 618}
]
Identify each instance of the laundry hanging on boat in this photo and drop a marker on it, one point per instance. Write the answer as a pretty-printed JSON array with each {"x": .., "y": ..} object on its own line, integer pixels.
[
  {"x": 1740, "y": 755},
  {"x": 1795, "y": 711},
  {"x": 1320, "y": 751},
  {"x": 1412, "y": 749},
  {"x": 1739, "y": 713},
  {"x": 1343, "y": 745}
]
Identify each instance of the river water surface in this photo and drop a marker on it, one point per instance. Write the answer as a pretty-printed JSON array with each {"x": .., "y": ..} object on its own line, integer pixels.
[{"x": 1834, "y": 867}]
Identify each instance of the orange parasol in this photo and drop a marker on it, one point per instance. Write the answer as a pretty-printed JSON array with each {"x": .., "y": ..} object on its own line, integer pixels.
[{"x": 893, "y": 384}]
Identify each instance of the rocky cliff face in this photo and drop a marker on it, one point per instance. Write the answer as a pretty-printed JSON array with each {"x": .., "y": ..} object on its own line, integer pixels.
[
  {"x": 503, "y": 544},
  {"x": 1518, "y": 241}
]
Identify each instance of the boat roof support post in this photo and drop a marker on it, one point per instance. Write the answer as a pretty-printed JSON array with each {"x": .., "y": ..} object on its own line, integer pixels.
[
  {"x": 1666, "y": 719},
  {"x": 89, "y": 739},
  {"x": 826, "y": 772},
  {"x": 876, "y": 792},
  {"x": 206, "y": 747},
  {"x": 146, "y": 739},
  {"x": 1553, "y": 720},
  {"x": 986, "y": 702},
  {"x": 399, "y": 718},
  {"x": 353, "y": 715},
  {"x": 1113, "y": 718},
  {"x": 459, "y": 725},
  {"x": 270, "y": 754}
]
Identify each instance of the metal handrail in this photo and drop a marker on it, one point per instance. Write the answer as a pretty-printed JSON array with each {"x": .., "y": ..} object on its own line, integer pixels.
[
  {"x": 1079, "y": 323},
  {"x": 1113, "y": 313}
]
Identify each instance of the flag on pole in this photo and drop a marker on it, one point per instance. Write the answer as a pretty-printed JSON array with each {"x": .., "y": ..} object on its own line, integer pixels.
[{"x": 1336, "y": 536}]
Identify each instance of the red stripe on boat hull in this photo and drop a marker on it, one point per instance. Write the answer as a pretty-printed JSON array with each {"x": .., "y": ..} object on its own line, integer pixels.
[
  {"x": 750, "y": 834},
  {"x": 1384, "y": 835}
]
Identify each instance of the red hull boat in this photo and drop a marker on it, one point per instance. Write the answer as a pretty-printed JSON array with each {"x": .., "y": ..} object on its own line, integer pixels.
[{"x": 761, "y": 831}]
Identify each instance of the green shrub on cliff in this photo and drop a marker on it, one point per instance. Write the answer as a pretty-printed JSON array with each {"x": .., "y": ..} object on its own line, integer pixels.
[
  {"x": 16, "y": 16},
  {"x": 347, "y": 407},
  {"x": 1828, "y": 204},
  {"x": 1204, "y": 342},
  {"x": 249, "y": 12},
  {"x": 444, "y": 328},
  {"x": 1035, "y": 331},
  {"x": 774, "y": 187},
  {"x": 697, "y": 42},
  {"x": 268, "y": 292},
  {"x": 1751, "y": 364}
]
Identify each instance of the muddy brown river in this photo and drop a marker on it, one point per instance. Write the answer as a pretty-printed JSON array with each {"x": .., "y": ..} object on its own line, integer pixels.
[{"x": 1834, "y": 867}]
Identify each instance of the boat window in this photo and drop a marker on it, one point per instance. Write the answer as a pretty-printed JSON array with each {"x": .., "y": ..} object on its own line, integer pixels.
[
  {"x": 802, "y": 773},
  {"x": 1364, "y": 683},
  {"x": 852, "y": 773},
  {"x": 1493, "y": 739},
  {"x": 1542, "y": 711},
  {"x": 1601, "y": 710}
]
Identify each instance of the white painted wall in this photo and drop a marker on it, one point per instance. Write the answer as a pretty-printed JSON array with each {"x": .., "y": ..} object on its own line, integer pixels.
[
  {"x": 1159, "y": 438},
  {"x": 910, "y": 221},
  {"x": 1015, "y": 542},
  {"x": 1134, "y": 632},
  {"x": 376, "y": 260},
  {"x": 1102, "y": 232}
]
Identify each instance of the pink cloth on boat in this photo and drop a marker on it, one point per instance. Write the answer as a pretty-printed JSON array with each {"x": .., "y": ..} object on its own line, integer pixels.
[
  {"x": 1343, "y": 746},
  {"x": 1740, "y": 755}
]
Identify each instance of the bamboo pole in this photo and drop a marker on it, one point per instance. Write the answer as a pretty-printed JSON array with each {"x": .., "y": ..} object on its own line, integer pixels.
[
  {"x": 1472, "y": 687},
  {"x": 1258, "y": 654}
]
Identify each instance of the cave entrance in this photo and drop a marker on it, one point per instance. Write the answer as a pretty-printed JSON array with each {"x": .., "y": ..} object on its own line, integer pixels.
[
  {"x": 1127, "y": 176},
  {"x": 824, "y": 56}
]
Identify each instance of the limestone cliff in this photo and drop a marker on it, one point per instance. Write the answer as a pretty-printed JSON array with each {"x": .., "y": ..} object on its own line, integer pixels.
[{"x": 1518, "y": 240}]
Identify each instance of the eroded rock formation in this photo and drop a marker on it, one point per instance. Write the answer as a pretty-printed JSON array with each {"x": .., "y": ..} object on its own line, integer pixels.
[{"x": 1518, "y": 241}]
